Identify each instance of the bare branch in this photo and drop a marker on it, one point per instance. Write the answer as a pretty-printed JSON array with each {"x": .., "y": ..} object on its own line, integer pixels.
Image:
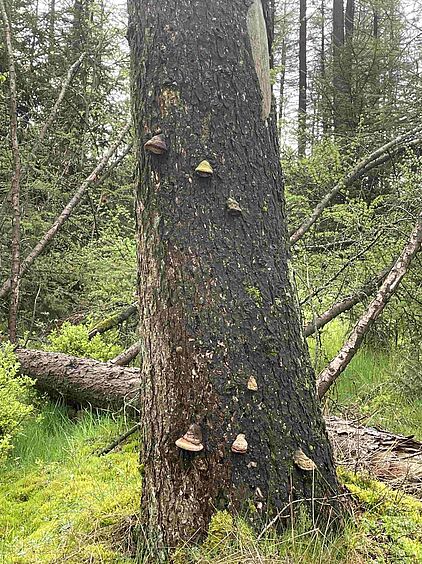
[
  {"x": 380, "y": 156},
  {"x": 374, "y": 310},
  {"x": 67, "y": 211},
  {"x": 128, "y": 355},
  {"x": 345, "y": 304},
  {"x": 15, "y": 184}
]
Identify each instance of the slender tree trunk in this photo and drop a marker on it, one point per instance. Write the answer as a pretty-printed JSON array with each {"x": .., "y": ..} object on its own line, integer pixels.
[
  {"x": 217, "y": 310},
  {"x": 329, "y": 375},
  {"x": 349, "y": 20},
  {"x": 338, "y": 77},
  {"x": 303, "y": 70},
  {"x": 15, "y": 185}
]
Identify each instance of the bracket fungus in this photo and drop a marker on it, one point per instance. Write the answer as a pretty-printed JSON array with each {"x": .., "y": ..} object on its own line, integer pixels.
[
  {"x": 303, "y": 461},
  {"x": 204, "y": 169},
  {"x": 240, "y": 444},
  {"x": 191, "y": 440},
  {"x": 156, "y": 145},
  {"x": 252, "y": 385},
  {"x": 233, "y": 207}
]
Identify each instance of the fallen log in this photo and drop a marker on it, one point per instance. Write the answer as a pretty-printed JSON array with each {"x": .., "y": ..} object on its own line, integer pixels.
[
  {"x": 81, "y": 380},
  {"x": 394, "y": 459}
]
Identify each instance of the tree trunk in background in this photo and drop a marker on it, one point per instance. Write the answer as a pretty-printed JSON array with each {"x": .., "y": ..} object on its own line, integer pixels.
[
  {"x": 301, "y": 145},
  {"x": 217, "y": 304},
  {"x": 339, "y": 85},
  {"x": 349, "y": 20}
]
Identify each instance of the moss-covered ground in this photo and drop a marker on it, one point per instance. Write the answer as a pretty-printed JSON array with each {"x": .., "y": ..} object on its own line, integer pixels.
[{"x": 61, "y": 502}]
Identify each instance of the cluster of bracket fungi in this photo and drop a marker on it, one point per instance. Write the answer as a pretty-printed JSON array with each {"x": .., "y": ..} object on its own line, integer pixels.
[
  {"x": 158, "y": 146},
  {"x": 192, "y": 440}
]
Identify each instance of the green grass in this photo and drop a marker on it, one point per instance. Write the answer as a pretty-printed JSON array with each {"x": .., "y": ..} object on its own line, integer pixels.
[
  {"x": 369, "y": 385},
  {"x": 59, "y": 501}
]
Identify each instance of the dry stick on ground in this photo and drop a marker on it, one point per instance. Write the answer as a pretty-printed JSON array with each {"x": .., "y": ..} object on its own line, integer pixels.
[
  {"x": 119, "y": 439},
  {"x": 113, "y": 321},
  {"x": 345, "y": 304},
  {"x": 67, "y": 211},
  {"x": 128, "y": 355},
  {"x": 15, "y": 185},
  {"x": 376, "y": 158},
  {"x": 375, "y": 308}
]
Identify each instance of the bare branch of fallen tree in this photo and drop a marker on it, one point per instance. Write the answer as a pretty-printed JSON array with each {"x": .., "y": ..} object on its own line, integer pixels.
[
  {"x": 329, "y": 375},
  {"x": 113, "y": 321},
  {"x": 378, "y": 157},
  {"x": 15, "y": 184},
  {"x": 345, "y": 304},
  {"x": 120, "y": 439},
  {"x": 67, "y": 211},
  {"x": 124, "y": 358}
]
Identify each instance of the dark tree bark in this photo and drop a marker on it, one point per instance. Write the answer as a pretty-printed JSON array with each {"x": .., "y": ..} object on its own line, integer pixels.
[
  {"x": 349, "y": 20},
  {"x": 303, "y": 71},
  {"x": 217, "y": 304}
]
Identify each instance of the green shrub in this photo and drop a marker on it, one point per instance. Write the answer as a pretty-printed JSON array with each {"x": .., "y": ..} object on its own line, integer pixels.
[
  {"x": 15, "y": 398},
  {"x": 408, "y": 377},
  {"x": 74, "y": 340}
]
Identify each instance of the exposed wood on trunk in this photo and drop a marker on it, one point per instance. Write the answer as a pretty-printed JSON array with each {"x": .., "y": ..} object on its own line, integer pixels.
[
  {"x": 67, "y": 210},
  {"x": 124, "y": 358},
  {"x": 80, "y": 380},
  {"x": 15, "y": 184},
  {"x": 329, "y": 375},
  {"x": 113, "y": 321},
  {"x": 379, "y": 156},
  {"x": 345, "y": 304}
]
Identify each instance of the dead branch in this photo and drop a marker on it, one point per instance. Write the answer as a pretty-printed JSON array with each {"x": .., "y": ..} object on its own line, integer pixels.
[
  {"x": 67, "y": 211},
  {"x": 379, "y": 156},
  {"x": 345, "y": 304},
  {"x": 113, "y": 321},
  {"x": 128, "y": 355},
  {"x": 329, "y": 375},
  {"x": 15, "y": 184}
]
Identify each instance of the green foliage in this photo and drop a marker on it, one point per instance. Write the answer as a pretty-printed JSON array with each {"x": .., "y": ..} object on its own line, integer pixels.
[
  {"x": 409, "y": 371},
  {"x": 15, "y": 399},
  {"x": 74, "y": 340},
  {"x": 64, "y": 503}
]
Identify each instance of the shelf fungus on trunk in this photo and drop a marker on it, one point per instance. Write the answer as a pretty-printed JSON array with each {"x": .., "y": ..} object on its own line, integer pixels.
[
  {"x": 156, "y": 145},
  {"x": 303, "y": 461},
  {"x": 233, "y": 207},
  {"x": 204, "y": 169},
  {"x": 191, "y": 440},
  {"x": 240, "y": 444},
  {"x": 252, "y": 385}
]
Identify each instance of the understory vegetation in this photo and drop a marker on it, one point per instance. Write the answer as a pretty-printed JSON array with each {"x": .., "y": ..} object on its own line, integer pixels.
[{"x": 62, "y": 502}]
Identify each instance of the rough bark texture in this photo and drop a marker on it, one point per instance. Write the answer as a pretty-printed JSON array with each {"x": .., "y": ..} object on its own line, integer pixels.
[
  {"x": 81, "y": 380},
  {"x": 217, "y": 303},
  {"x": 339, "y": 363}
]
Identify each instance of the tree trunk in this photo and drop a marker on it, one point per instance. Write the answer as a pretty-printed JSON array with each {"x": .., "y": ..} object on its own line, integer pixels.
[
  {"x": 15, "y": 184},
  {"x": 217, "y": 308},
  {"x": 301, "y": 146}
]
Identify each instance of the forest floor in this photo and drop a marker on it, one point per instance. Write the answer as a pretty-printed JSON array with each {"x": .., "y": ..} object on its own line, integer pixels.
[{"x": 61, "y": 502}]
